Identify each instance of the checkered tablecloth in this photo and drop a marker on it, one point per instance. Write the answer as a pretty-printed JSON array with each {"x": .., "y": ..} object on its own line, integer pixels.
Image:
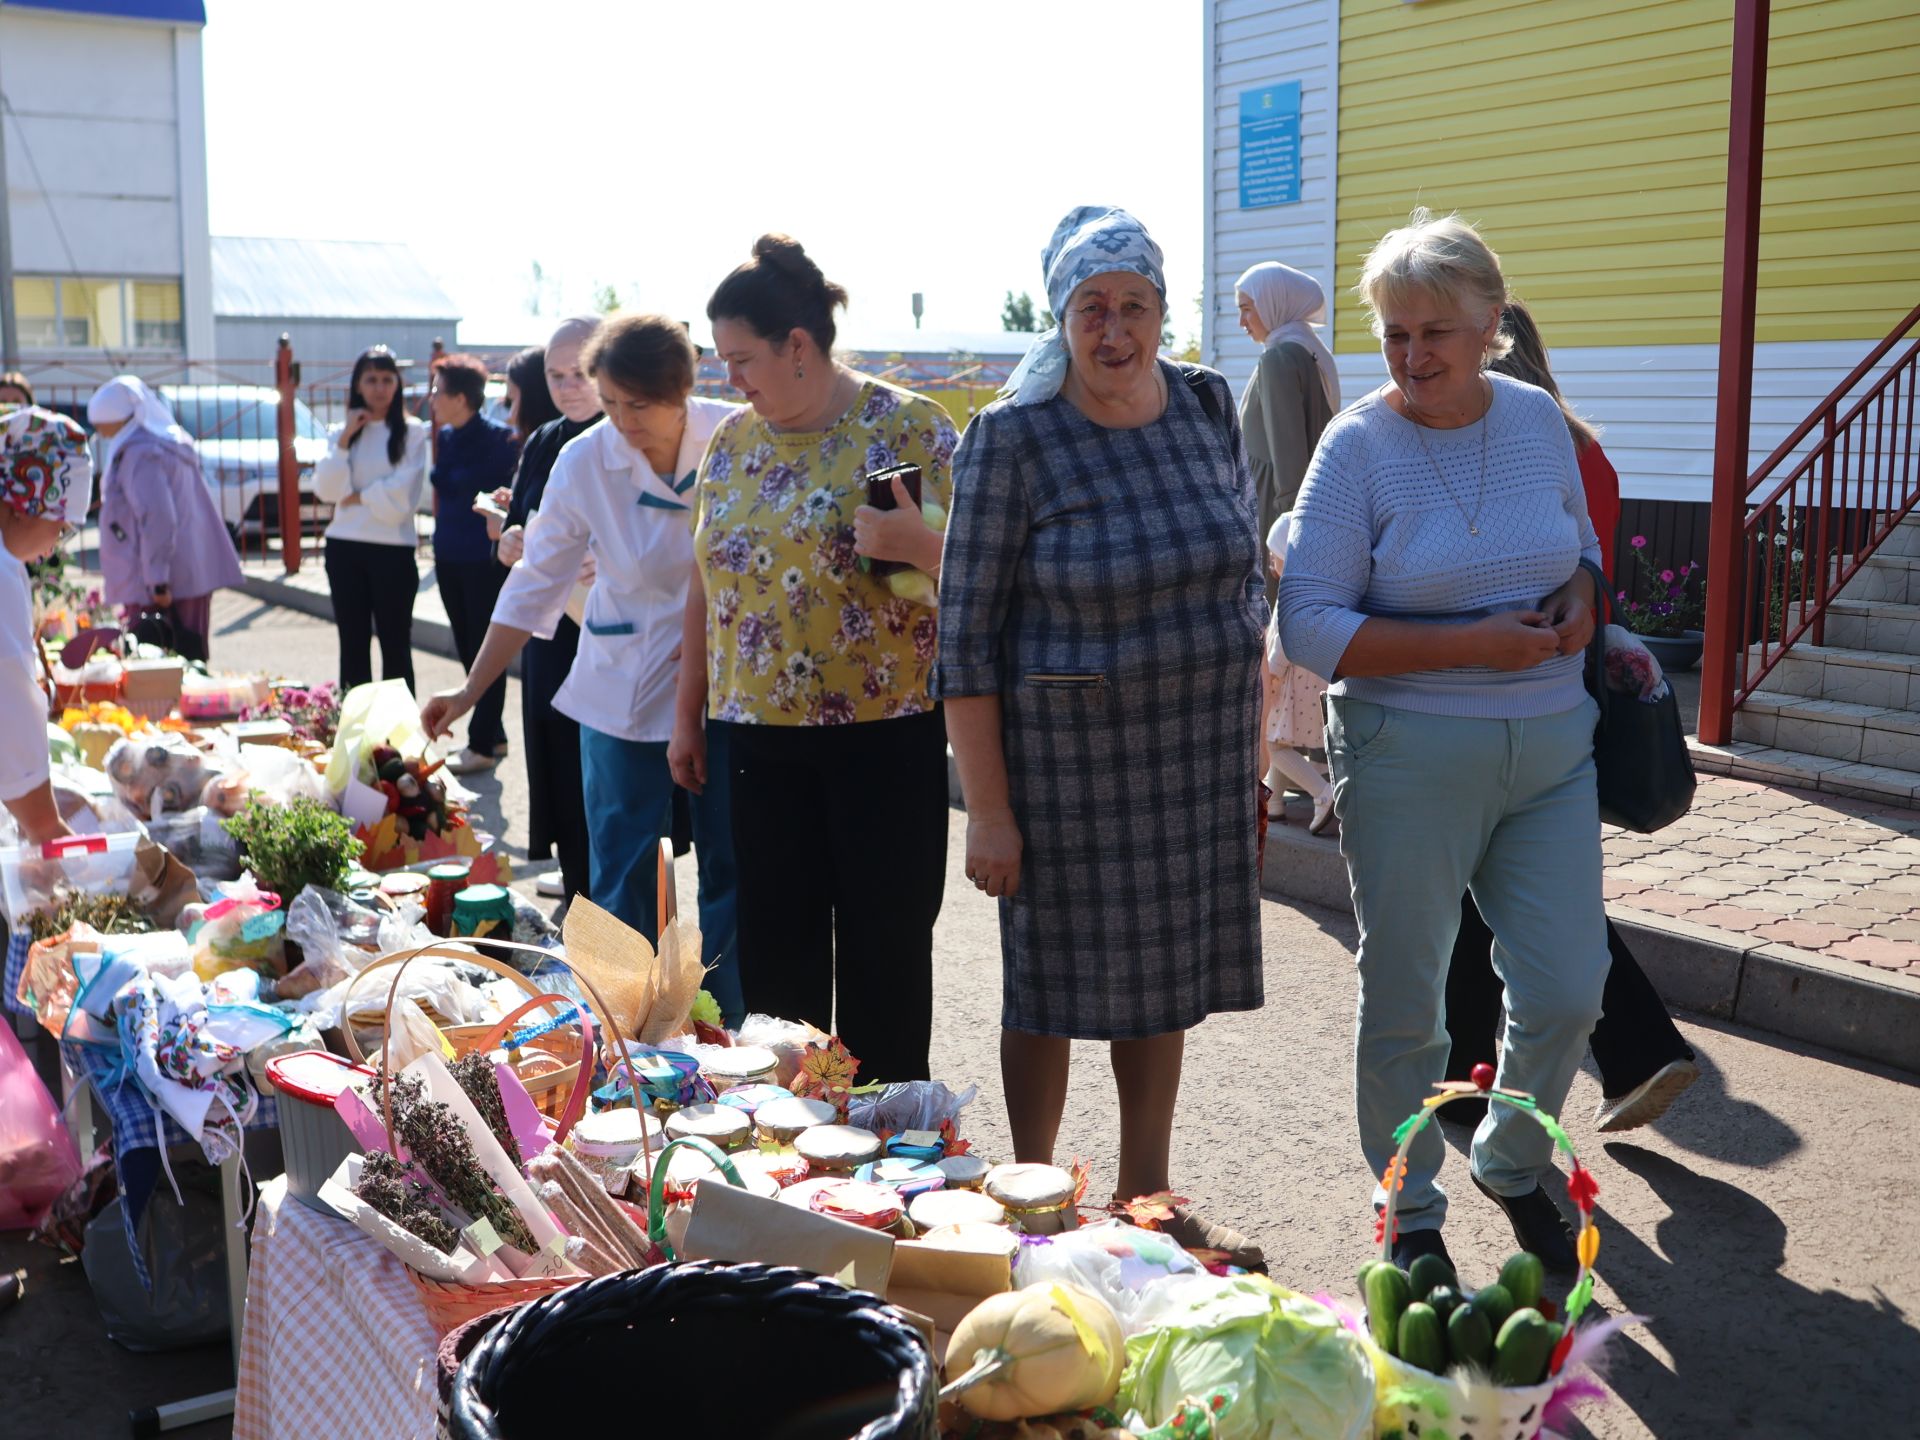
[{"x": 335, "y": 1341}]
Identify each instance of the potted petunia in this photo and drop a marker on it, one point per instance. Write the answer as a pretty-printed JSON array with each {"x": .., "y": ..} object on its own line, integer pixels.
[{"x": 1668, "y": 614}]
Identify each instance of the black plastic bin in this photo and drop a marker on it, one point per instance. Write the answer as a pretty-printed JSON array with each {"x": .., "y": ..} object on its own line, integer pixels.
[{"x": 748, "y": 1350}]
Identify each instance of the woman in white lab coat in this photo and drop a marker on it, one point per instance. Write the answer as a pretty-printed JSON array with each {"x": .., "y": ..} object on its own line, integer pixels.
[{"x": 620, "y": 493}]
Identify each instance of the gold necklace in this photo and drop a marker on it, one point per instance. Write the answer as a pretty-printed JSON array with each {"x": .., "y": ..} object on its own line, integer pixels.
[{"x": 1480, "y": 491}]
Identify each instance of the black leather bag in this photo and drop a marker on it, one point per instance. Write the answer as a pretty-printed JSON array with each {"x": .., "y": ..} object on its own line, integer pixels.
[{"x": 1639, "y": 750}]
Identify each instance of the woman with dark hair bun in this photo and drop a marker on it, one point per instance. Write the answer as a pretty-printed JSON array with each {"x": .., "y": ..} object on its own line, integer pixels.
[
  {"x": 529, "y": 402},
  {"x": 622, "y": 493},
  {"x": 375, "y": 482},
  {"x": 815, "y": 671}
]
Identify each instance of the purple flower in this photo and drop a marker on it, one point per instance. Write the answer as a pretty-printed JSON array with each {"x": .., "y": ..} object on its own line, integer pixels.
[
  {"x": 833, "y": 709},
  {"x": 879, "y": 457},
  {"x": 880, "y": 404},
  {"x": 856, "y": 625},
  {"x": 778, "y": 484},
  {"x": 735, "y": 553},
  {"x": 1667, "y": 575},
  {"x": 1639, "y": 542}
]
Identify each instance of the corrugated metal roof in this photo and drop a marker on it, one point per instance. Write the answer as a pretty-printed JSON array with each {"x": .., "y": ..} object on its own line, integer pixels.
[{"x": 324, "y": 279}]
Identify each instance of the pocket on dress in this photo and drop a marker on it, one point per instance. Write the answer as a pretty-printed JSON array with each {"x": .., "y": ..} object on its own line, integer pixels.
[{"x": 610, "y": 627}]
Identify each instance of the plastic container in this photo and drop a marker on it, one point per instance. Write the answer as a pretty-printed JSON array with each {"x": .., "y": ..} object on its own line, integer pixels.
[
  {"x": 405, "y": 885},
  {"x": 219, "y": 697},
  {"x": 871, "y": 1207},
  {"x": 313, "y": 1136}
]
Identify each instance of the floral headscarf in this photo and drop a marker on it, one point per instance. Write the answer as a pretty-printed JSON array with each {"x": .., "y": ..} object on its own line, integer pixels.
[
  {"x": 45, "y": 471},
  {"x": 1091, "y": 240}
]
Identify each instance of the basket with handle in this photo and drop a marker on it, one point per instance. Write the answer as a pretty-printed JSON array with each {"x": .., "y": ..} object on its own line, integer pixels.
[
  {"x": 1411, "y": 1401},
  {"x": 450, "y": 1304}
]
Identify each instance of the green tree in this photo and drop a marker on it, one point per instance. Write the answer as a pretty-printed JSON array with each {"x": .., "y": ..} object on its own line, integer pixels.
[
  {"x": 606, "y": 299},
  {"x": 1017, "y": 313}
]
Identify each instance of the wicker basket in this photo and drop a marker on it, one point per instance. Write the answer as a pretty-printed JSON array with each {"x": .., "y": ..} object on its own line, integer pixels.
[
  {"x": 828, "y": 1363},
  {"x": 451, "y": 1304}
]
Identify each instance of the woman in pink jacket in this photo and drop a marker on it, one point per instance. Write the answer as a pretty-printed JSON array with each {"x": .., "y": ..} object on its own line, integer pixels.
[{"x": 162, "y": 542}]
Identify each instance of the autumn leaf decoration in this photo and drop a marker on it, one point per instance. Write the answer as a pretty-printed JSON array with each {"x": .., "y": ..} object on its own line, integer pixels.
[
  {"x": 826, "y": 1073},
  {"x": 1150, "y": 1212}
]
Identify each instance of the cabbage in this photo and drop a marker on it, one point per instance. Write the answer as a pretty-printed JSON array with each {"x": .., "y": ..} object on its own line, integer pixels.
[{"x": 1299, "y": 1373}]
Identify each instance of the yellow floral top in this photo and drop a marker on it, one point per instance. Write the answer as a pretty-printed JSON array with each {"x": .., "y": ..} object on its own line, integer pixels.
[{"x": 797, "y": 634}]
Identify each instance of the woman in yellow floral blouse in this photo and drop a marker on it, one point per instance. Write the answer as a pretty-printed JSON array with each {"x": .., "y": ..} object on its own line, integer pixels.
[{"x": 820, "y": 670}]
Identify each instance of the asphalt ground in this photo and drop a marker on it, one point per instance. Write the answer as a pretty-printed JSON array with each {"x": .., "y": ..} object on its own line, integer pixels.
[{"x": 1765, "y": 1226}]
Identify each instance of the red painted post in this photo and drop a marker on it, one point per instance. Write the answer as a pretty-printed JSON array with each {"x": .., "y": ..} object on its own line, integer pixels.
[
  {"x": 286, "y": 379},
  {"x": 1733, "y": 411}
]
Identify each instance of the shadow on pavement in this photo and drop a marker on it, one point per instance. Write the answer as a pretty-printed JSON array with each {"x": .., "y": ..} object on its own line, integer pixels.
[{"x": 1753, "y": 1352}]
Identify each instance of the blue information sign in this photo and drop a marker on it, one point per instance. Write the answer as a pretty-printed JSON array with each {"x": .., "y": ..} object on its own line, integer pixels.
[{"x": 1270, "y": 145}]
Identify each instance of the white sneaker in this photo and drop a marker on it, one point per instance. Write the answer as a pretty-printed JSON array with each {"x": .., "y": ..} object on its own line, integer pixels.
[
  {"x": 550, "y": 885},
  {"x": 1647, "y": 1101},
  {"x": 471, "y": 762}
]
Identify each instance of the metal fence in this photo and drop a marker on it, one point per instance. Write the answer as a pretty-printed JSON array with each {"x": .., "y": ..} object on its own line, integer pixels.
[{"x": 260, "y": 425}]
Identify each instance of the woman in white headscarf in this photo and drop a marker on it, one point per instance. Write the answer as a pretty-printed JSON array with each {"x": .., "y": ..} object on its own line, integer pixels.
[
  {"x": 163, "y": 544},
  {"x": 1295, "y": 389}
]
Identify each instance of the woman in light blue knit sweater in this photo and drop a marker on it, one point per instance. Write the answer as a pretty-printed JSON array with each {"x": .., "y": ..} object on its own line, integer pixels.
[{"x": 1433, "y": 573}]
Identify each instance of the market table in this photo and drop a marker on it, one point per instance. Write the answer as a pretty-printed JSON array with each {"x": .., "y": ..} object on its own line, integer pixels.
[{"x": 335, "y": 1340}]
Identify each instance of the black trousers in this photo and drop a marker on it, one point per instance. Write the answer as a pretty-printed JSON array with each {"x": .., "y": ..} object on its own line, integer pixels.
[
  {"x": 468, "y": 589},
  {"x": 556, "y": 803},
  {"x": 840, "y": 837},
  {"x": 373, "y": 588},
  {"x": 1633, "y": 1039}
]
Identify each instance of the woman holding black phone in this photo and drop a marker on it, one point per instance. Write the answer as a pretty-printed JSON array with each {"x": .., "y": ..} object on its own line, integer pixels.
[
  {"x": 374, "y": 475},
  {"x": 815, "y": 671}
]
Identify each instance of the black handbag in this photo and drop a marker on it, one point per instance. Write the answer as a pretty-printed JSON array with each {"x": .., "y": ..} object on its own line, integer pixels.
[{"x": 1640, "y": 754}]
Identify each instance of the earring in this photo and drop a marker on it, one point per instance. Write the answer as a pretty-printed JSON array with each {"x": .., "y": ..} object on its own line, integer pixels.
[{"x": 799, "y": 371}]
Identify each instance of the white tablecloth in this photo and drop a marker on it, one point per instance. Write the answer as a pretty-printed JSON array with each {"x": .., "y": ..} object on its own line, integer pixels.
[{"x": 335, "y": 1342}]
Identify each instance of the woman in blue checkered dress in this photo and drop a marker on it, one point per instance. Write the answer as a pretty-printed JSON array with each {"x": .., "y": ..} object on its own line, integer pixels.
[{"x": 1100, "y": 643}]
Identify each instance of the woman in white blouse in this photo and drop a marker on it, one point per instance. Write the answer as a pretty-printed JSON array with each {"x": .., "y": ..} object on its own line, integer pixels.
[
  {"x": 374, "y": 475},
  {"x": 620, "y": 493}
]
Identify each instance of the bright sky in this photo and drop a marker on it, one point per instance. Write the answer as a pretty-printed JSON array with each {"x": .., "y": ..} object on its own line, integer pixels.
[{"x": 909, "y": 145}]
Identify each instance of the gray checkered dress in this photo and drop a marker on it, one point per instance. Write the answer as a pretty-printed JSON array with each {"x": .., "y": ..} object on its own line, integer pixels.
[{"x": 1106, "y": 584}]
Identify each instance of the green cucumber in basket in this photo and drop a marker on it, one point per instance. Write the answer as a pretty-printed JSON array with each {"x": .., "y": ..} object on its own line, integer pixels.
[
  {"x": 1470, "y": 1337},
  {"x": 1524, "y": 1346},
  {"x": 1428, "y": 1273},
  {"x": 1389, "y": 1292},
  {"x": 1366, "y": 1270},
  {"x": 1422, "y": 1342},
  {"x": 1445, "y": 1299},
  {"x": 1523, "y": 1276},
  {"x": 1496, "y": 1303}
]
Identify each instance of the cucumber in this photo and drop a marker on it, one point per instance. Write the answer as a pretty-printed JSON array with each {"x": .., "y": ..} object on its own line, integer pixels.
[
  {"x": 1524, "y": 1346},
  {"x": 1361, "y": 1278},
  {"x": 1422, "y": 1342},
  {"x": 1496, "y": 1303},
  {"x": 1523, "y": 1276},
  {"x": 1470, "y": 1337},
  {"x": 1388, "y": 1294},
  {"x": 1429, "y": 1273},
  {"x": 1445, "y": 1300}
]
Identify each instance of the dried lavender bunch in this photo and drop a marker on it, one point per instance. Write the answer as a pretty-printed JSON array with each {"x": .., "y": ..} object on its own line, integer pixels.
[
  {"x": 384, "y": 1185},
  {"x": 438, "y": 1143},
  {"x": 476, "y": 1076}
]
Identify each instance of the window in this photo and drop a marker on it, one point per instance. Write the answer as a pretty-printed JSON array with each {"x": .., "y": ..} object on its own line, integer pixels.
[{"x": 84, "y": 312}]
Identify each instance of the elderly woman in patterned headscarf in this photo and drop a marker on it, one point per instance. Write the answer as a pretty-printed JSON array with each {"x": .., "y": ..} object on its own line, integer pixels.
[
  {"x": 46, "y": 483},
  {"x": 1100, "y": 629}
]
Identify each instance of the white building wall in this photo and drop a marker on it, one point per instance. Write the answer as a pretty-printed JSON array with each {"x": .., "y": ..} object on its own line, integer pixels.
[
  {"x": 1249, "y": 44},
  {"x": 323, "y": 345},
  {"x": 121, "y": 158}
]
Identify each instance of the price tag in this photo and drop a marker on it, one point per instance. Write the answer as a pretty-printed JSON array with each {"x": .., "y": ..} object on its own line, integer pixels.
[
  {"x": 484, "y": 1237},
  {"x": 920, "y": 1139},
  {"x": 266, "y": 923}
]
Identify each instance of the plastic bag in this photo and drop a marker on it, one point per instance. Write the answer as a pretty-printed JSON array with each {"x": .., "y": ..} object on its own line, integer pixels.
[
  {"x": 336, "y": 935},
  {"x": 909, "y": 1105},
  {"x": 381, "y": 713},
  {"x": 280, "y": 775},
  {"x": 242, "y": 927},
  {"x": 1300, "y": 1373},
  {"x": 37, "y": 1158},
  {"x": 201, "y": 841},
  {"x": 1115, "y": 1261},
  {"x": 184, "y": 1247},
  {"x": 160, "y": 774},
  {"x": 38, "y": 877},
  {"x": 787, "y": 1039}
]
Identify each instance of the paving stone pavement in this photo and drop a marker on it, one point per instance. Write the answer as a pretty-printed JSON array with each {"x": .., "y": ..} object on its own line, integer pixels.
[{"x": 1819, "y": 872}]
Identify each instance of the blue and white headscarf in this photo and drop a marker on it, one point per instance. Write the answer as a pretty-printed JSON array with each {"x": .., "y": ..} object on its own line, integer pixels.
[{"x": 1091, "y": 240}]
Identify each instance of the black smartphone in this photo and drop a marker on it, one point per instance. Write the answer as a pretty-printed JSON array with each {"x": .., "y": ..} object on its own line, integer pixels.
[{"x": 880, "y": 496}]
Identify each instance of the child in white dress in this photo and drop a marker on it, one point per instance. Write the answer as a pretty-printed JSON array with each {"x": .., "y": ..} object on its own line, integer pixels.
[{"x": 1294, "y": 716}]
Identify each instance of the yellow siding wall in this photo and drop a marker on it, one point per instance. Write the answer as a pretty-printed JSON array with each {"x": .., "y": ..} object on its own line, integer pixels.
[{"x": 1588, "y": 140}]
